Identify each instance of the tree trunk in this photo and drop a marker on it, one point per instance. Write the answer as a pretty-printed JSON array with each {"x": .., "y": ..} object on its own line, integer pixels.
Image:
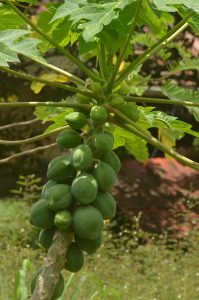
[{"x": 54, "y": 264}]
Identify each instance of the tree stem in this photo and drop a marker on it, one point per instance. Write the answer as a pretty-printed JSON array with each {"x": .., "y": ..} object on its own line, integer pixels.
[
  {"x": 72, "y": 77},
  {"x": 27, "y": 152},
  {"x": 145, "y": 135},
  {"x": 102, "y": 60},
  {"x": 51, "y": 83},
  {"x": 32, "y": 139},
  {"x": 77, "y": 62},
  {"x": 159, "y": 101},
  {"x": 155, "y": 48},
  {"x": 54, "y": 264},
  {"x": 49, "y": 103}
]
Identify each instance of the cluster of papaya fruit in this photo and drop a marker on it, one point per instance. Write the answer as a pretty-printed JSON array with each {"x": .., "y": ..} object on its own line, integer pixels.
[{"x": 77, "y": 196}]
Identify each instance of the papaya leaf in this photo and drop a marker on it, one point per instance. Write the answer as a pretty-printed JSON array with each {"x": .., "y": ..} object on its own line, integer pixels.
[
  {"x": 133, "y": 144},
  {"x": 43, "y": 113},
  {"x": 16, "y": 41},
  {"x": 175, "y": 92},
  {"x": 170, "y": 5},
  {"x": 7, "y": 55},
  {"x": 94, "y": 15},
  {"x": 59, "y": 30},
  {"x": 36, "y": 87},
  {"x": 58, "y": 120},
  {"x": 9, "y": 19},
  {"x": 157, "y": 21},
  {"x": 193, "y": 21},
  {"x": 191, "y": 64}
]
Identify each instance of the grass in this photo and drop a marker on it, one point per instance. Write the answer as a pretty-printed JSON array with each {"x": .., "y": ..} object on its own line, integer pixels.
[{"x": 148, "y": 272}]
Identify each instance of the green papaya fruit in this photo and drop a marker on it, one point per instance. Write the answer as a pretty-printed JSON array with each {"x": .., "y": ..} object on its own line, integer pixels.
[
  {"x": 41, "y": 215},
  {"x": 130, "y": 110},
  {"x": 76, "y": 120},
  {"x": 96, "y": 87},
  {"x": 83, "y": 99},
  {"x": 98, "y": 114},
  {"x": 63, "y": 220},
  {"x": 46, "y": 187},
  {"x": 87, "y": 222},
  {"x": 105, "y": 176},
  {"x": 69, "y": 138},
  {"x": 46, "y": 237},
  {"x": 89, "y": 246},
  {"x": 106, "y": 204},
  {"x": 60, "y": 168},
  {"x": 103, "y": 142},
  {"x": 74, "y": 258},
  {"x": 82, "y": 157},
  {"x": 111, "y": 159},
  {"x": 84, "y": 188},
  {"x": 59, "y": 288},
  {"x": 116, "y": 100},
  {"x": 59, "y": 197}
]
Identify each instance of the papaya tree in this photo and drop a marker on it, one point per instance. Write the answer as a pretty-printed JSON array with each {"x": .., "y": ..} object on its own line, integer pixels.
[{"x": 109, "y": 43}]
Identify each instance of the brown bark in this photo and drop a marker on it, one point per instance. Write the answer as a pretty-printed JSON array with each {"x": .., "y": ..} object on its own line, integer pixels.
[{"x": 54, "y": 264}]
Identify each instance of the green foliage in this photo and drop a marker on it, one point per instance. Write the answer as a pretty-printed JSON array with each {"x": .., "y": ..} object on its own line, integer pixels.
[
  {"x": 173, "y": 91},
  {"x": 96, "y": 15},
  {"x": 21, "y": 291},
  {"x": 13, "y": 42},
  {"x": 169, "y": 5},
  {"x": 28, "y": 188}
]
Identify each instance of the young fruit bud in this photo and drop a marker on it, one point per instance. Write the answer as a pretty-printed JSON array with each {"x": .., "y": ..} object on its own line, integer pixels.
[{"x": 98, "y": 114}]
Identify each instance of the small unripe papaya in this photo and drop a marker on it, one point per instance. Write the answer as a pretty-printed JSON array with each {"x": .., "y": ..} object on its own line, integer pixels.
[
  {"x": 130, "y": 110},
  {"x": 84, "y": 188},
  {"x": 96, "y": 87},
  {"x": 60, "y": 168},
  {"x": 98, "y": 114},
  {"x": 74, "y": 258},
  {"x": 69, "y": 138},
  {"x": 82, "y": 157},
  {"x": 63, "y": 220},
  {"x": 76, "y": 120},
  {"x": 106, "y": 204},
  {"x": 46, "y": 237},
  {"x": 46, "y": 187},
  {"x": 105, "y": 176},
  {"x": 41, "y": 215},
  {"x": 83, "y": 99},
  {"x": 89, "y": 246},
  {"x": 112, "y": 160},
  {"x": 117, "y": 100},
  {"x": 103, "y": 142},
  {"x": 59, "y": 197},
  {"x": 87, "y": 222}
]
